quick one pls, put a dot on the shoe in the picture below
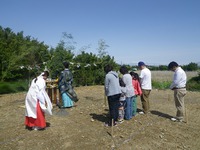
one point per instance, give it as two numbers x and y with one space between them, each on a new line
141 113
120 121
61 107
35 128
135 114
38 128
176 120
173 119
180 120
109 124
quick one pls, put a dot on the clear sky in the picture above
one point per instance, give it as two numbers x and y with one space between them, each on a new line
153 31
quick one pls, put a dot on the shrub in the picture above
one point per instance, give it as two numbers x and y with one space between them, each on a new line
13 87
6 88
161 84
194 83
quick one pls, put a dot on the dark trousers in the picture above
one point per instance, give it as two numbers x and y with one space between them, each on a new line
113 103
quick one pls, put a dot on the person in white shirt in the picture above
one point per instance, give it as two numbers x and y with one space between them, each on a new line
122 101
127 79
179 87
146 86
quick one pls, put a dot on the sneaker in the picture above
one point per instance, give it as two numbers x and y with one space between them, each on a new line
135 114
180 120
173 119
120 121
176 120
141 113
106 124
35 128
38 128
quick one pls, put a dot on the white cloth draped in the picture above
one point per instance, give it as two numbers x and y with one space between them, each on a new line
37 92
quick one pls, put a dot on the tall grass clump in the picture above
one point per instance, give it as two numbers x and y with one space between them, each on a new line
161 85
13 87
193 84
163 80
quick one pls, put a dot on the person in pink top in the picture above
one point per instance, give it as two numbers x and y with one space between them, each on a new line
137 89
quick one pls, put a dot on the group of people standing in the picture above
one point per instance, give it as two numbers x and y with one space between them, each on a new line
122 92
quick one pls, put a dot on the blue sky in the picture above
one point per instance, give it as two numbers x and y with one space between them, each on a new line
154 31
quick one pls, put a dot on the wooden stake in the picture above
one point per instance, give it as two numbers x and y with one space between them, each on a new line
112 128
113 142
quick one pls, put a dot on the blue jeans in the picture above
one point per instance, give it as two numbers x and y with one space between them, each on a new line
113 103
128 108
134 105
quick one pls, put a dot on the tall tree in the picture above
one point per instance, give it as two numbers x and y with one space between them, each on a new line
18 53
102 46
62 52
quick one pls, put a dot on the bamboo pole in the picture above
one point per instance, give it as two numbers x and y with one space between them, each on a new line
112 127
112 134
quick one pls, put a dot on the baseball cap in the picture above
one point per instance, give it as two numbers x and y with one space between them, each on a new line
141 63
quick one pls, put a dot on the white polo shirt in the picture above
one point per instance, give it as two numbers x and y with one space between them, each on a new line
180 78
145 79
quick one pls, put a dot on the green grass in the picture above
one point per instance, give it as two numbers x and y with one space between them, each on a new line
160 80
194 83
161 85
13 87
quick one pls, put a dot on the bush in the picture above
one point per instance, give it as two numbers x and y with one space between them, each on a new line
6 88
162 85
194 83
13 87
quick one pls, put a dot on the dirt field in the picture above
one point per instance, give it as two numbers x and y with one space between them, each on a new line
82 127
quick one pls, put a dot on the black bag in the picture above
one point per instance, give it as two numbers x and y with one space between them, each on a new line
121 82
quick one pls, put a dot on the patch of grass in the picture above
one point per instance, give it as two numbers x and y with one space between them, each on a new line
161 85
13 87
194 83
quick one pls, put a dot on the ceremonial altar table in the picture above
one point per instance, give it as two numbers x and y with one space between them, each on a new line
53 92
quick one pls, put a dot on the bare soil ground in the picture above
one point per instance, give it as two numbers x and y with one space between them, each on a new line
82 127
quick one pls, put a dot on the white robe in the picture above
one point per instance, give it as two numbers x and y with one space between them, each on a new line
37 92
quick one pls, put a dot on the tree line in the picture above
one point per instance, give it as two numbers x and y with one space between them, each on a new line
190 67
24 57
